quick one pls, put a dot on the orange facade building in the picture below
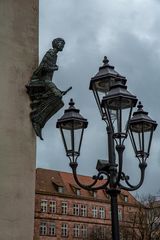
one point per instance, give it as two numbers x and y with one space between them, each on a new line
64 211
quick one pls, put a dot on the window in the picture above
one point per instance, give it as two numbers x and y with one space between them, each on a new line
110 214
95 232
94 194
94 212
120 214
52 206
84 210
84 231
126 198
78 192
102 212
64 207
99 232
64 230
44 205
103 231
60 189
52 229
43 228
76 209
76 230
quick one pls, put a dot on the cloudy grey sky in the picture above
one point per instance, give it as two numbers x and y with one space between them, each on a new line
128 33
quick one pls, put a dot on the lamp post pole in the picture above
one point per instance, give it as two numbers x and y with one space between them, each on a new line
115 107
113 191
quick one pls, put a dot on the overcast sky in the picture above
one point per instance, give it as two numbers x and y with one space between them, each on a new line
128 33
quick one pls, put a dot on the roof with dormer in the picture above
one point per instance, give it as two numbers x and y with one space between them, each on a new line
48 180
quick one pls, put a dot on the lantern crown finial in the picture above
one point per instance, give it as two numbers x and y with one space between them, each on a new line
140 106
105 60
71 103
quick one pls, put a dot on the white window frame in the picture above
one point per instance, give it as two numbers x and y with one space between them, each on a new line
83 210
76 230
43 229
64 230
52 229
94 194
64 208
102 212
44 205
94 211
84 231
76 209
126 198
60 189
52 206
78 192
120 214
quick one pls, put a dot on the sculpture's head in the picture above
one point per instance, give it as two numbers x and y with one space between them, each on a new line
58 43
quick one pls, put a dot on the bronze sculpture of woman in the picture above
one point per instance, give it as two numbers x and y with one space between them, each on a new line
46 98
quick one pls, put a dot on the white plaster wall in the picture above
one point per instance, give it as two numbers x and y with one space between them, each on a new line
18 58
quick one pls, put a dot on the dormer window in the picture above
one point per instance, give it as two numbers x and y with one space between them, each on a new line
78 192
60 189
126 198
93 194
76 189
58 185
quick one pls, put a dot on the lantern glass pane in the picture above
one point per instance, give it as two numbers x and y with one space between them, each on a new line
138 142
142 143
68 139
99 94
72 136
147 136
77 138
120 119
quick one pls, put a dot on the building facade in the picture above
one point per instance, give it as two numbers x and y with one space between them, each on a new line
18 59
64 211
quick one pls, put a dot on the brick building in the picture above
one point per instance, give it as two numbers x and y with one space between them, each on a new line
64 211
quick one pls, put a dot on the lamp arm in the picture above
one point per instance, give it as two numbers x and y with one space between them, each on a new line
131 187
90 187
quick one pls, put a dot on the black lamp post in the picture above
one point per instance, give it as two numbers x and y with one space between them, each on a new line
115 103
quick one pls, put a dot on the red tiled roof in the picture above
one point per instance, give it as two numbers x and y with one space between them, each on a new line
47 179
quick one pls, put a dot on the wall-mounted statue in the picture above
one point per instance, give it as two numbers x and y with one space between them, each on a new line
46 98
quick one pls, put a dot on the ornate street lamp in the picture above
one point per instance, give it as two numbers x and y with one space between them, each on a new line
102 81
141 128
116 101
72 126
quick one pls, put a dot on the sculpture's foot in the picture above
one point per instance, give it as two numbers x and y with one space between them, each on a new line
38 130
